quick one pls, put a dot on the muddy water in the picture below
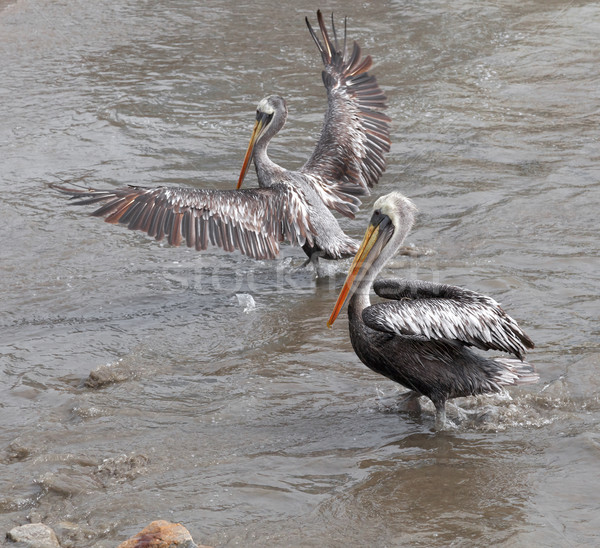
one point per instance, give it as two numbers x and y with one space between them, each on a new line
245 419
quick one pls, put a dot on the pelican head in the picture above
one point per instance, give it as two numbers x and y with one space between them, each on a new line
271 114
393 217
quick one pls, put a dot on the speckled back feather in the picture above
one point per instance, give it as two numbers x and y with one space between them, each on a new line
440 311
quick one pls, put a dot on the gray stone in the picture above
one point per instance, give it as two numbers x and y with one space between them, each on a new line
34 535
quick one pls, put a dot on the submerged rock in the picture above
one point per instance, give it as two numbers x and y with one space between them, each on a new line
34 535
105 375
247 301
70 534
162 534
17 452
68 482
122 468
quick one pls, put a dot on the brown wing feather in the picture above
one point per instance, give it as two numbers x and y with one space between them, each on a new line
252 221
350 155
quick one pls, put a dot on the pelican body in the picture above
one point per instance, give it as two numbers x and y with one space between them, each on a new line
293 206
421 336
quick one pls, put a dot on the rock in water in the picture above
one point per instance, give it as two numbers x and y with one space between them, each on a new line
162 534
34 535
247 301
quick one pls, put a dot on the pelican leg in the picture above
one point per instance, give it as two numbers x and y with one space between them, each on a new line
440 414
306 263
410 402
313 256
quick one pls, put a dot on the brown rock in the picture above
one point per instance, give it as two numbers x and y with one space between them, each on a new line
162 534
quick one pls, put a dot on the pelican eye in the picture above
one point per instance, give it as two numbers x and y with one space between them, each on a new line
380 218
377 216
263 116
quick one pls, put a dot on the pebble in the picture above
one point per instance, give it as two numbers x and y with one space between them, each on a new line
105 375
247 301
34 535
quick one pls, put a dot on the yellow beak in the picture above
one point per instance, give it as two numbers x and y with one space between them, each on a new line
258 127
361 255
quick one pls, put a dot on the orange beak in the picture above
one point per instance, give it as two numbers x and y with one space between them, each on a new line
360 259
259 125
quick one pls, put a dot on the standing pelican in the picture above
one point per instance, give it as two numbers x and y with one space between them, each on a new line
291 206
420 337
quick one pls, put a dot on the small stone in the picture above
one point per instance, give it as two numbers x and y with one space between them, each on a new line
67 483
105 375
17 452
247 301
34 535
122 468
162 534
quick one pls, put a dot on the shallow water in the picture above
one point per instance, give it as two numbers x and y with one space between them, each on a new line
253 424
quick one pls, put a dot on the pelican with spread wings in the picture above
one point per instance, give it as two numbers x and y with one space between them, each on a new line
292 206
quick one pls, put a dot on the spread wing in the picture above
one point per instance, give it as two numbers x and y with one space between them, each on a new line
253 221
350 155
439 311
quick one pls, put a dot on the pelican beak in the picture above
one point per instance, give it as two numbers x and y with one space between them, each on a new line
262 120
377 233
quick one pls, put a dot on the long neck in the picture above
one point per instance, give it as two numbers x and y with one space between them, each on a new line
267 171
360 298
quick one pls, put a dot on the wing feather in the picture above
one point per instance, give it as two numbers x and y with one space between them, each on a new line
252 221
349 158
438 311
